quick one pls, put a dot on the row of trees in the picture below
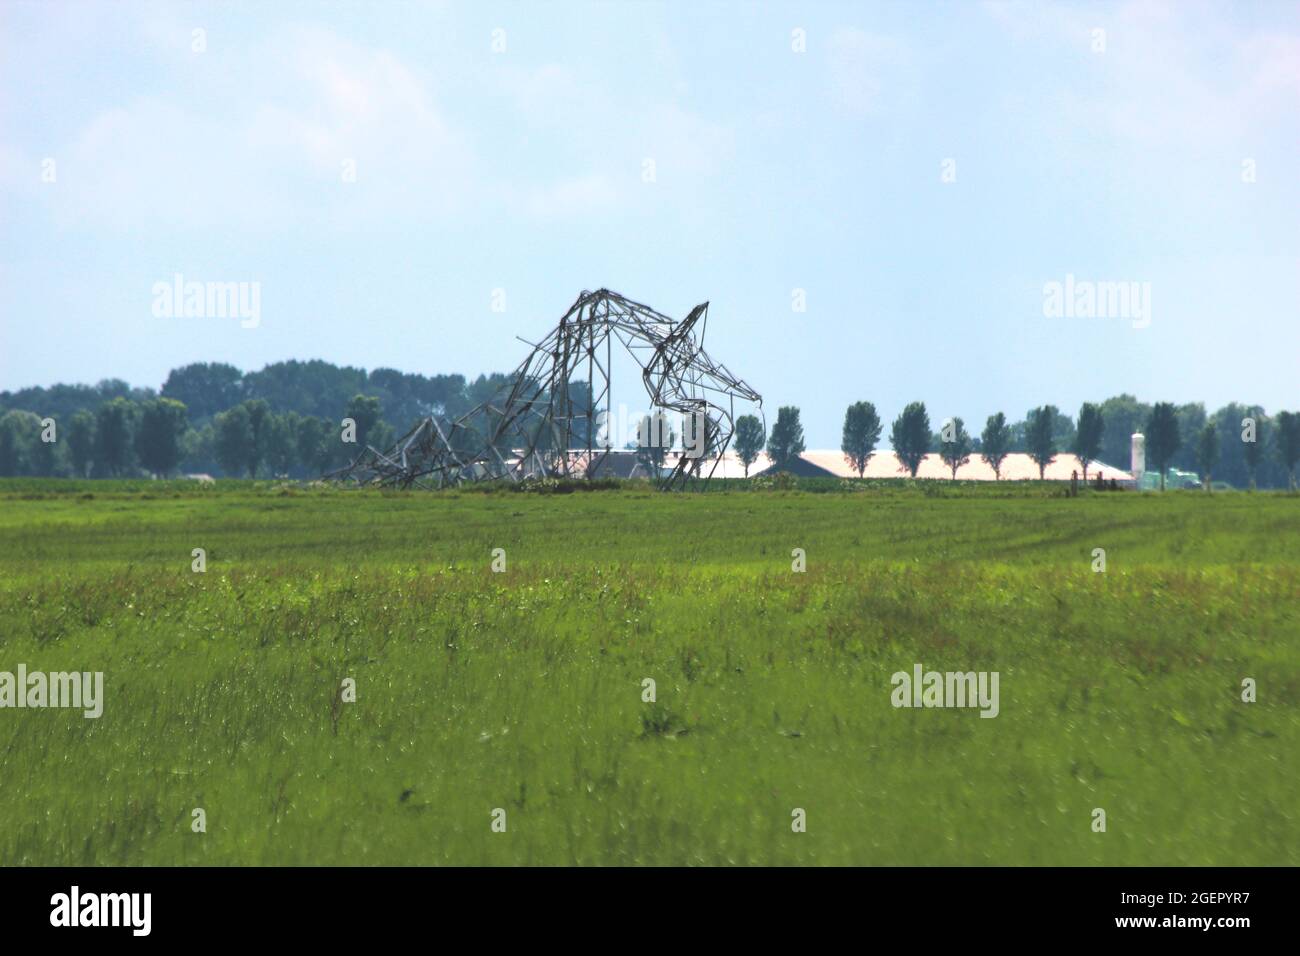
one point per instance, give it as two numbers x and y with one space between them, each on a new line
123 438
1042 437
118 437
113 429
314 388
283 400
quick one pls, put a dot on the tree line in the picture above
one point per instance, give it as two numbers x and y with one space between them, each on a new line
293 419
288 419
1239 445
212 418
125 438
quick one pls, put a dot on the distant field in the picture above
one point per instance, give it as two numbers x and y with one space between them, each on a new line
522 690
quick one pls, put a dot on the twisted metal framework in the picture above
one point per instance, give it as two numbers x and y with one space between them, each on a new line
543 422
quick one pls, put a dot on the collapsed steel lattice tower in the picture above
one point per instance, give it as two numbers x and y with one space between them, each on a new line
536 426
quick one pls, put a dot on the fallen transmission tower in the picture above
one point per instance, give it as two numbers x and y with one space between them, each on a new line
544 421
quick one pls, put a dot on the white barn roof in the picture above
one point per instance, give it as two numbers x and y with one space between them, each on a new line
1018 466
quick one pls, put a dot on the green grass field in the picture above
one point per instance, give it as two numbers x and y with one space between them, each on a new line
522 690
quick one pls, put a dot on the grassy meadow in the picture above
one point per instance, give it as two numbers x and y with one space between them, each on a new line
522 690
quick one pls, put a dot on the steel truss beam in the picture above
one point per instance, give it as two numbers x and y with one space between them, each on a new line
536 426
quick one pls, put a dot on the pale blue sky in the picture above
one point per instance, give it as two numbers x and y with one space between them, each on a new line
522 170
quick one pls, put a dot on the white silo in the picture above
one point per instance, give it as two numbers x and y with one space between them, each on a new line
1138 456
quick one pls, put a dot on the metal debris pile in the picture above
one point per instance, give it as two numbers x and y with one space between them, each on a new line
546 420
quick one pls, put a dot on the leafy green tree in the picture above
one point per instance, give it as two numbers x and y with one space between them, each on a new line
749 440
1227 421
1040 438
441 395
400 395
365 411
1207 451
309 388
954 445
233 437
114 424
995 443
317 447
13 443
282 443
1062 431
910 436
259 423
1253 451
785 444
1088 434
205 388
44 454
860 435
60 402
198 450
81 442
382 435
1191 419
1123 415
1162 438
158 438
654 438
1288 443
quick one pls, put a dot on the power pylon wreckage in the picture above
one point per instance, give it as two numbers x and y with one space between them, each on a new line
545 419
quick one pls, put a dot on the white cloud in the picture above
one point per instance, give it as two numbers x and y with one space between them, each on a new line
153 164
605 141
1277 66
254 136
169 161
1172 75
